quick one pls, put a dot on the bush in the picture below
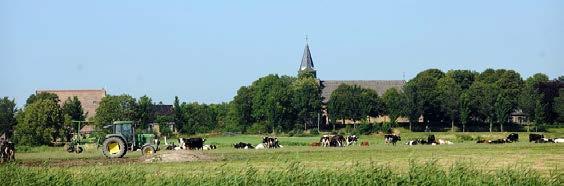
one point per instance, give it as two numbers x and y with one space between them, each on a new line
463 137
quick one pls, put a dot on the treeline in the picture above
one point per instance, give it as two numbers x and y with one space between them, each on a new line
459 99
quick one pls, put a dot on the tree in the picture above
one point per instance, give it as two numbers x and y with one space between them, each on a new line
7 115
338 105
395 104
484 97
178 113
73 108
424 92
115 108
449 94
354 103
306 99
41 96
465 108
272 102
145 111
242 109
40 123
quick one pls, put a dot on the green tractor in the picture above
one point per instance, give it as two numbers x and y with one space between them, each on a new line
124 138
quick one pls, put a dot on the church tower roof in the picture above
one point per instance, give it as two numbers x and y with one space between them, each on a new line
307 62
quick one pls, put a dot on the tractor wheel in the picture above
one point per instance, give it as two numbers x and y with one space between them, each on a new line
148 150
114 147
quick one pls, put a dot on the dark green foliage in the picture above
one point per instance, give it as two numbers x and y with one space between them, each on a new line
73 108
272 102
423 93
115 108
40 96
40 123
306 100
7 114
354 103
395 104
178 113
144 111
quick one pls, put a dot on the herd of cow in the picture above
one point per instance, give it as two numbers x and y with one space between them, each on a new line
342 141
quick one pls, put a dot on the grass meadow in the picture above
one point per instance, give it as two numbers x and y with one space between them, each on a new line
463 163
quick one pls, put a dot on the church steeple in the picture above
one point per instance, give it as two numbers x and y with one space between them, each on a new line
307 63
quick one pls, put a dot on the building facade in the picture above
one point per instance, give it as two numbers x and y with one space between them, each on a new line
89 99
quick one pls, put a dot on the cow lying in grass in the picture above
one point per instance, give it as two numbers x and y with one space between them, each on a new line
513 137
431 140
351 140
270 142
242 145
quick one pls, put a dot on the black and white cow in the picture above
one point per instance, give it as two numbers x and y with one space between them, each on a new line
191 143
325 140
242 145
513 137
270 142
392 138
352 139
337 141
535 137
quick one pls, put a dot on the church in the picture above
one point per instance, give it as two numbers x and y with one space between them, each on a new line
328 86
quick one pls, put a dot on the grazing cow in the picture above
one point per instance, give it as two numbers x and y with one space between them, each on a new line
497 141
535 137
7 151
513 137
315 144
545 140
558 140
325 140
337 141
391 138
242 145
364 144
351 140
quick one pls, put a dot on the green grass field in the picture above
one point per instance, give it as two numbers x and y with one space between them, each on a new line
298 163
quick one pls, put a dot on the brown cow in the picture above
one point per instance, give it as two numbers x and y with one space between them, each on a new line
315 144
364 143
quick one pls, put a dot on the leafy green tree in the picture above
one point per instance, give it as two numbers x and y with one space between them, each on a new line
7 114
73 108
145 111
272 102
42 95
395 103
484 97
199 118
306 100
424 93
354 103
338 106
178 113
465 108
40 123
449 94
115 108
242 109
370 103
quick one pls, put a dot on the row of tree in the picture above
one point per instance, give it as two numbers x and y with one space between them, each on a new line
284 103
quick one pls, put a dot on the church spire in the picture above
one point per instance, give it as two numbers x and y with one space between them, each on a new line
307 62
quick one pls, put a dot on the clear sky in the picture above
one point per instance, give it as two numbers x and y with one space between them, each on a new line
205 50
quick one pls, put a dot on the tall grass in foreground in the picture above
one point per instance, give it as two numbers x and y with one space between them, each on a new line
428 173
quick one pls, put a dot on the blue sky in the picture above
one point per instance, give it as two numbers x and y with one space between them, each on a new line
205 50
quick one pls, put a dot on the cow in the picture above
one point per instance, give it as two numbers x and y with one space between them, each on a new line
364 144
351 140
558 140
431 139
498 141
209 147
7 151
444 142
260 146
391 138
513 137
194 143
242 145
482 141
337 141
325 140
535 137
270 142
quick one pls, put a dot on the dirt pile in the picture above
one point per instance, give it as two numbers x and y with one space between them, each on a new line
178 156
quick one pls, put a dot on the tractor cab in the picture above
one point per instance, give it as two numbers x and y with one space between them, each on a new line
124 138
